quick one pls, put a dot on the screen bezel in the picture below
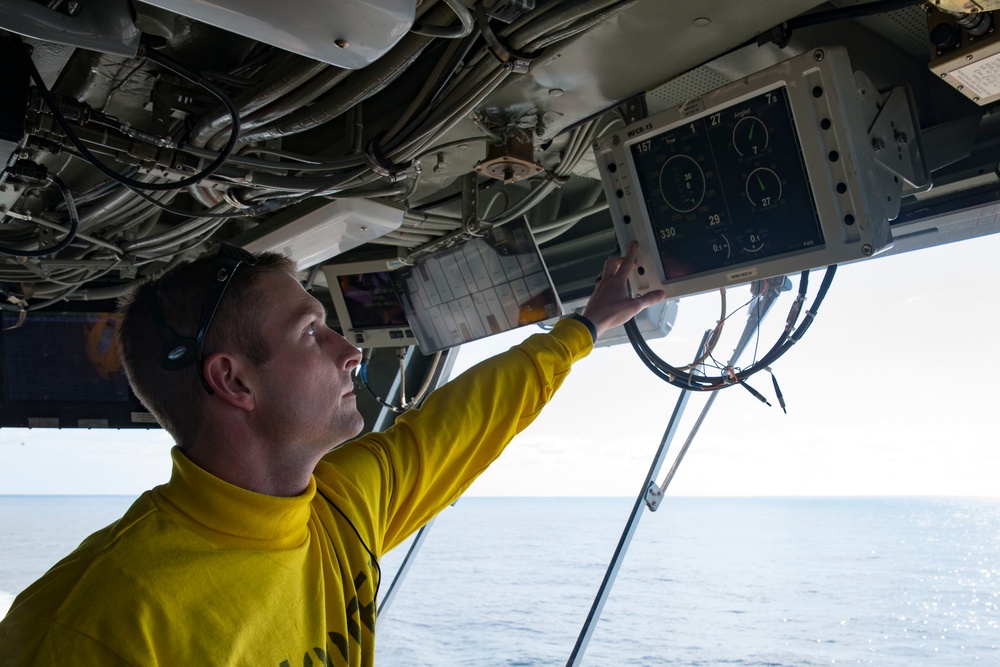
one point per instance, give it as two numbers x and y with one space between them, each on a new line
855 196
362 334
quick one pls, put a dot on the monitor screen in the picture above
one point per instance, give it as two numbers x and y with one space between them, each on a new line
61 369
727 188
769 175
368 309
371 300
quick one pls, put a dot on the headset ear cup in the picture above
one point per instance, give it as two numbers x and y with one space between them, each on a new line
177 351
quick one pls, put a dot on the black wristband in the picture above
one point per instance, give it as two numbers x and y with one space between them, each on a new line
587 323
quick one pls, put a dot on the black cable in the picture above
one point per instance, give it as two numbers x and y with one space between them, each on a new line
378 569
789 336
267 207
183 71
74 224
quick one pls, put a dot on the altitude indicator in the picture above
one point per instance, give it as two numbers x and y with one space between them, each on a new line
682 183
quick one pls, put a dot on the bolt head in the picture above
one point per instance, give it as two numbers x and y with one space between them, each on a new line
818 55
866 250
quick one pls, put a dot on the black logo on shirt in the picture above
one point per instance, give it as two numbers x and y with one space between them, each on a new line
337 643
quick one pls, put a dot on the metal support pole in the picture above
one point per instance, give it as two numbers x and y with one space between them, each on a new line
404 567
651 493
633 522
445 365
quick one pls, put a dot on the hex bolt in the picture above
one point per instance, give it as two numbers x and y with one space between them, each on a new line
878 143
901 138
866 250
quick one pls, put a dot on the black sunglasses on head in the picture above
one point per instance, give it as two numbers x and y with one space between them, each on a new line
179 351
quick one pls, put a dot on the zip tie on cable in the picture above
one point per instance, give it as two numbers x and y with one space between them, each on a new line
517 61
380 164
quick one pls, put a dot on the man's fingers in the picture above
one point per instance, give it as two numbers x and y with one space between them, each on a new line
649 298
614 265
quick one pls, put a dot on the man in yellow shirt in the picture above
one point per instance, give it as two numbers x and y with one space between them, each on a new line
263 547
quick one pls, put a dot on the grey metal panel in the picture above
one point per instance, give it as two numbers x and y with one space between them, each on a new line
104 25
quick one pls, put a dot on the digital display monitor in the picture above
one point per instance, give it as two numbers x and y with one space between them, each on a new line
61 369
477 288
724 189
366 303
371 300
770 175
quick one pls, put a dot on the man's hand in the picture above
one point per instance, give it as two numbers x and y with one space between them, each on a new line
610 305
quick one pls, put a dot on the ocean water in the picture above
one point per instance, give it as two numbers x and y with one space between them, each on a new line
794 582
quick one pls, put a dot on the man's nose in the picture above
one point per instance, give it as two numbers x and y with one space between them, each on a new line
348 356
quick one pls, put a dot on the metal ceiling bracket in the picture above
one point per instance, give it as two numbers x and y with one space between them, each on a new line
896 140
518 61
470 204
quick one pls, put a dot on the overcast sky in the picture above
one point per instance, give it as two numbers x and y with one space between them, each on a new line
893 391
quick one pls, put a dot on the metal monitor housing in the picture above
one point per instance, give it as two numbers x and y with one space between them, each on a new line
368 334
796 167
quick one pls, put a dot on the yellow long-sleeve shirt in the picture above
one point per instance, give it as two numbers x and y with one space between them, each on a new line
201 572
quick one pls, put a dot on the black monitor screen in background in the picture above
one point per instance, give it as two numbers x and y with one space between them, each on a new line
61 369
371 300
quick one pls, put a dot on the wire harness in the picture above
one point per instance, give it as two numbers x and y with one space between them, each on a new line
686 378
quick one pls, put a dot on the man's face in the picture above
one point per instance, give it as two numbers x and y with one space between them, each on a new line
304 392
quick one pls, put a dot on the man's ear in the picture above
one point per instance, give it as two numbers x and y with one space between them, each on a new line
228 377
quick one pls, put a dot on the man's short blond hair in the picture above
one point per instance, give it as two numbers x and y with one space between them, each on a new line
175 397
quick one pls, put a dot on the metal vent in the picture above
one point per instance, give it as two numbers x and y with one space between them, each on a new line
906 29
683 88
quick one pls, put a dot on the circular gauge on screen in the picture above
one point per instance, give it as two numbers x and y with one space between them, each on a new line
682 183
763 187
750 136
